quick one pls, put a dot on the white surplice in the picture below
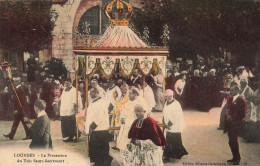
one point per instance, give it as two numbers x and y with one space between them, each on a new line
173 113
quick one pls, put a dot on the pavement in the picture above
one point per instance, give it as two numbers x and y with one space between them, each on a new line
205 144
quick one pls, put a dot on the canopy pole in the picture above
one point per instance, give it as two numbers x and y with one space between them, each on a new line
143 83
86 113
77 100
86 81
86 105
163 88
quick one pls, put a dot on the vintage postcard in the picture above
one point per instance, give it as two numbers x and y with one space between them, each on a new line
129 82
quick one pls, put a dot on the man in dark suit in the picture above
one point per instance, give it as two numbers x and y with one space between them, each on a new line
20 111
32 64
41 137
235 114
47 95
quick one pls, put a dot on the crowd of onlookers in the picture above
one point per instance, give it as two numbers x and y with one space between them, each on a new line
195 83
200 87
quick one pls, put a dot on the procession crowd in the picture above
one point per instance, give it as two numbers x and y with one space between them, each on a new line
127 104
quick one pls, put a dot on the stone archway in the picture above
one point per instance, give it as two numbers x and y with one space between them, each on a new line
85 7
69 16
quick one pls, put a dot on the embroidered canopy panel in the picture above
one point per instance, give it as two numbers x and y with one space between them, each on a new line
120 46
127 63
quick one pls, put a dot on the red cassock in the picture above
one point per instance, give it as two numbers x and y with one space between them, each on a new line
147 129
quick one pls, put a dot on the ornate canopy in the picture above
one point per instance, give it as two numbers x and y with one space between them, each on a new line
120 46
120 36
127 61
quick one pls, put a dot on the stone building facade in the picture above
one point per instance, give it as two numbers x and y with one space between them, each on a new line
69 16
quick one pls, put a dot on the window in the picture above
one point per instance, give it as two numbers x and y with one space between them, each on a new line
92 18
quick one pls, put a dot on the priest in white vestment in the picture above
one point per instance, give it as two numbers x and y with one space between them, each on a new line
94 84
127 118
173 121
96 126
112 95
68 110
148 95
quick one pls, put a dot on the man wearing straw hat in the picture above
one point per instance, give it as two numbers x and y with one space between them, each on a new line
20 111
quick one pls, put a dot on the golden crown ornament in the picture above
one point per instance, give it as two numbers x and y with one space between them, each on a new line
118 12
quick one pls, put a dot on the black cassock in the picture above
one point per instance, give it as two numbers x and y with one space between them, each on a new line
193 99
214 94
204 95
